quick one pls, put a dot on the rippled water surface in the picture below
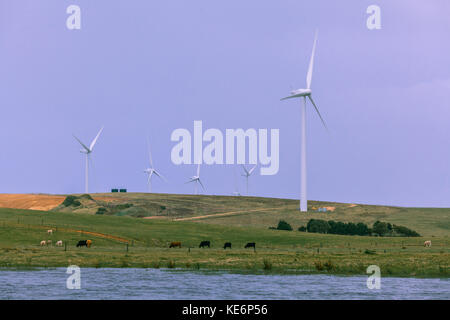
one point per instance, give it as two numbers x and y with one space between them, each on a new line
173 284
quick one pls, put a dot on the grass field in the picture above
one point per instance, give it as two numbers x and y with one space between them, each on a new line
124 241
260 212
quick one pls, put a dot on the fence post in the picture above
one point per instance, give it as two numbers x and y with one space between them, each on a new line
127 247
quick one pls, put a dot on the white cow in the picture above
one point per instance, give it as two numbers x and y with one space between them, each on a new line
43 243
50 231
427 243
59 243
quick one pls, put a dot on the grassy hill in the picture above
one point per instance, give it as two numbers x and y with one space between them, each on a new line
221 219
258 212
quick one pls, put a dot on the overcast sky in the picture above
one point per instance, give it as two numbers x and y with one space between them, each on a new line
145 68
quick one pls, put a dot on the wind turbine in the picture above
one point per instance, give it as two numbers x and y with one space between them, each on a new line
305 93
196 180
88 152
248 173
151 170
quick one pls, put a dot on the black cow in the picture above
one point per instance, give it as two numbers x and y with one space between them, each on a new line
205 244
82 243
227 245
250 245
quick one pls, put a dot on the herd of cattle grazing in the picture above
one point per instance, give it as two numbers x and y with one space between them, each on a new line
174 244
207 243
59 243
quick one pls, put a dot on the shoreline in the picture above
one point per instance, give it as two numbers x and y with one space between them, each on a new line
250 272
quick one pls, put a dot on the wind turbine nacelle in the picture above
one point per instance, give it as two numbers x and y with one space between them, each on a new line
301 92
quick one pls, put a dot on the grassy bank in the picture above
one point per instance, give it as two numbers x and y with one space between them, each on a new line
130 242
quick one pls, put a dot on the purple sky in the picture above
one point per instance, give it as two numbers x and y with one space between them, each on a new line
144 68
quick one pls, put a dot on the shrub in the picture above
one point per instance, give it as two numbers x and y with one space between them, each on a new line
283 225
71 201
302 229
329 265
318 226
123 206
85 196
319 266
267 264
404 231
101 210
350 228
362 229
380 228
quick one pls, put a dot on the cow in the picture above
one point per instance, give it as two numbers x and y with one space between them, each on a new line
250 245
59 243
89 243
49 242
227 245
175 244
205 244
427 243
82 243
43 243
50 231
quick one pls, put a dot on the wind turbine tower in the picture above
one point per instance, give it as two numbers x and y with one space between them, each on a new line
305 93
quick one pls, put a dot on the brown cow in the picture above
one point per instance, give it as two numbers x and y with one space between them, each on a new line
88 243
175 244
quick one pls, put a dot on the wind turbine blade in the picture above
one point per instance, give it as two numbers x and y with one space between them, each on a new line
289 97
245 169
160 176
95 140
317 110
82 144
149 178
201 184
251 170
311 64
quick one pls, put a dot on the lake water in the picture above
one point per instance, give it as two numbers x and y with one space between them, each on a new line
176 284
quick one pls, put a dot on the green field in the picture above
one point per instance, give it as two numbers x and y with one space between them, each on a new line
120 239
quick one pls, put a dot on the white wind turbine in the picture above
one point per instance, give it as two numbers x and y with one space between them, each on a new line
151 170
196 180
88 152
248 173
305 93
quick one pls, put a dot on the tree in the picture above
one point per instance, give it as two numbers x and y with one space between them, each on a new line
380 228
283 225
317 226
